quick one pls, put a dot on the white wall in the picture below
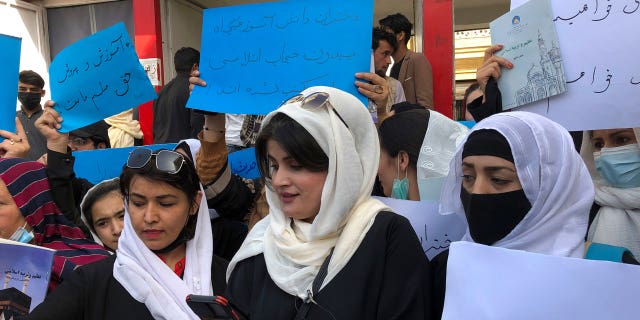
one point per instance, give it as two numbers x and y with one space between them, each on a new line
181 27
28 21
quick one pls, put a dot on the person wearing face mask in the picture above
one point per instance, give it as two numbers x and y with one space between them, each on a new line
613 159
520 185
30 92
415 149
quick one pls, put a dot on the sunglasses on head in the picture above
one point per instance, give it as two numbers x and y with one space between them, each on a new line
314 101
166 160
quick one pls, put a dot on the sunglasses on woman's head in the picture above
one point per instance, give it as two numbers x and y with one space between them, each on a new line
166 160
314 101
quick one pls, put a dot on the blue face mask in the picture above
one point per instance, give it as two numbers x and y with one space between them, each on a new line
619 166
400 188
22 235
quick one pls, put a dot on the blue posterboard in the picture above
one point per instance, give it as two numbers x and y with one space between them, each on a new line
97 77
10 57
103 164
255 56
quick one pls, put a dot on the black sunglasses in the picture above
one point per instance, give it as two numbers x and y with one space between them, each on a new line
166 160
314 101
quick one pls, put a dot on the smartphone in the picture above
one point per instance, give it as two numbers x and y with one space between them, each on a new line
211 307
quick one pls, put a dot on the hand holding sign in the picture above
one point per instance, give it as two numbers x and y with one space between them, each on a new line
98 77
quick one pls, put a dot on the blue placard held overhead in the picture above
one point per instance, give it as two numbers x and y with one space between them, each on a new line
97 77
255 56
10 57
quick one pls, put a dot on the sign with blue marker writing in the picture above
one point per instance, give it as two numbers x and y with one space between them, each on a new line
10 57
103 164
97 77
435 231
255 56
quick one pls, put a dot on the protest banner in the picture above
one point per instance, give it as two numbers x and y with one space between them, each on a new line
10 57
598 48
97 77
486 282
254 57
435 232
102 164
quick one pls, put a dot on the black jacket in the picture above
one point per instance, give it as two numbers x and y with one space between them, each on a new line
93 293
388 277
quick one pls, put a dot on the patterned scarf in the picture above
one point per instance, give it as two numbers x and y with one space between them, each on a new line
29 187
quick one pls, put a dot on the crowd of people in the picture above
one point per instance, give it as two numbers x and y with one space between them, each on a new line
307 240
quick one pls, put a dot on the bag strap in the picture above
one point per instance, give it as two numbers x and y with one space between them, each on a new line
315 287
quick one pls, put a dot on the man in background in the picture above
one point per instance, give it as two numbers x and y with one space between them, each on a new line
172 121
30 92
412 69
384 44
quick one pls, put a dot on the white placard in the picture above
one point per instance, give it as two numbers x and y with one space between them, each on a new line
599 45
152 67
495 283
436 232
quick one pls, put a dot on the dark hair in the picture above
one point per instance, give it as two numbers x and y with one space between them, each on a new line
185 180
381 34
398 23
32 78
185 58
96 193
473 87
404 131
405 106
295 140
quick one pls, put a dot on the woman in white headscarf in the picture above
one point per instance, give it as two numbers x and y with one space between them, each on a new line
164 251
327 250
613 159
520 184
416 147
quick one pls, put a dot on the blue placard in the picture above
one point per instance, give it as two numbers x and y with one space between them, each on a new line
10 57
244 164
255 56
97 77
102 164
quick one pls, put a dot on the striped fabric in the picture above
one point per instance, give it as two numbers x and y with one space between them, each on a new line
28 184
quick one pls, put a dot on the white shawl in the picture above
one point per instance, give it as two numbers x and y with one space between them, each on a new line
294 250
554 179
618 220
150 281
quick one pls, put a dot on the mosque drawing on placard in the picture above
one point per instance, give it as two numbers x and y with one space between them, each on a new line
545 78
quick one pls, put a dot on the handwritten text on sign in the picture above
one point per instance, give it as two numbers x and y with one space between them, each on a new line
97 77
256 56
599 53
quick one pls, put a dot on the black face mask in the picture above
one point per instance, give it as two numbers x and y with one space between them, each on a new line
29 100
492 217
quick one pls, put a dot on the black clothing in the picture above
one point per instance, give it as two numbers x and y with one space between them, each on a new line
67 190
93 293
395 69
37 142
439 268
492 105
172 121
388 277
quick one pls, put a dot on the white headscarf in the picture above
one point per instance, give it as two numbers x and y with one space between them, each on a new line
553 176
150 281
440 142
293 249
618 220
83 214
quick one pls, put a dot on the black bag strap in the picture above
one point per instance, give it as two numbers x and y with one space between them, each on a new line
315 287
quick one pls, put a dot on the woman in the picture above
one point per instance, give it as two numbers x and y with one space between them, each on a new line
472 93
416 147
613 159
521 186
28 214
327 250
102 211
164 251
